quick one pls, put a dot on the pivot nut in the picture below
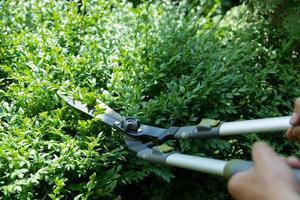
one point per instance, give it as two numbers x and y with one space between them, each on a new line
130 124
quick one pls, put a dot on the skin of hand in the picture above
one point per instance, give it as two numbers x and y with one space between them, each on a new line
270 178
294 131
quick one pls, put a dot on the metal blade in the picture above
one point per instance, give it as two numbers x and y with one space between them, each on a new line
109 116
114 119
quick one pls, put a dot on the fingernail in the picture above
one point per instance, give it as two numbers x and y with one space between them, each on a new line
294 119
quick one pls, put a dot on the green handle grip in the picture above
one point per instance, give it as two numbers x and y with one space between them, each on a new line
234 166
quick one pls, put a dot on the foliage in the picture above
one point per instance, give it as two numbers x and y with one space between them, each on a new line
283 15
168 63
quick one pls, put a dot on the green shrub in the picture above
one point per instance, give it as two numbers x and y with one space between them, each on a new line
168 63
283 15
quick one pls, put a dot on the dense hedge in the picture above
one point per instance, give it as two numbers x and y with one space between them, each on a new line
167 63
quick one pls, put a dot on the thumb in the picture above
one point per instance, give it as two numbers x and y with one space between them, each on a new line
268 164
264 157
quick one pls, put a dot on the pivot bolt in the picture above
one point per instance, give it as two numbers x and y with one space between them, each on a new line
130 124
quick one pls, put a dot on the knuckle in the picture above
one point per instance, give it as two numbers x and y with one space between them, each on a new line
296 133
297 101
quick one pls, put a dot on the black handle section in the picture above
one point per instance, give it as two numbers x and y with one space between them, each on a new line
234 166
197 132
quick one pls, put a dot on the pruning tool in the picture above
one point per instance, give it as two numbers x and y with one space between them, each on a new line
141 138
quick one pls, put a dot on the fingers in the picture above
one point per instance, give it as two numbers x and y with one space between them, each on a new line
269 177
289 134
294 131
265 158
239 183
293 162
263 155
295 119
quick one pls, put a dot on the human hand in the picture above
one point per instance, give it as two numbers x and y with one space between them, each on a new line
270 178
294 131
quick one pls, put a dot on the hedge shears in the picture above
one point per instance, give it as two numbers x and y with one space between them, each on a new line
142 139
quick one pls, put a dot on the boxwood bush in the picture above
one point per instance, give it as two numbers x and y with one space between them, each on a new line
165 62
